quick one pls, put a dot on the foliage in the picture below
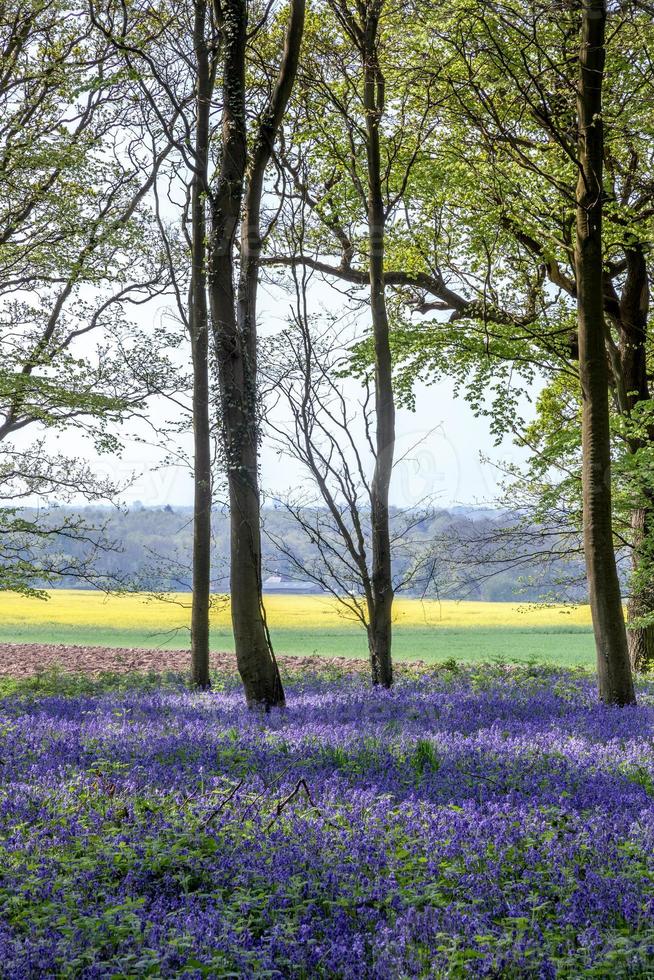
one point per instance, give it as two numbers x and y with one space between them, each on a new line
497 220
77 254
39 551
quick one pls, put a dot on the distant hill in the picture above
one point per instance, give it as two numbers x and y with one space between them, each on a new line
477 553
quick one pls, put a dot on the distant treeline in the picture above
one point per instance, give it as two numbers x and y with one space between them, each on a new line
463 553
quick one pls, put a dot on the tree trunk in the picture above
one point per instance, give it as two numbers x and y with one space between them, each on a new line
199 330
235 331
630 313
379 645
254 657
641 603
613 667
641 641
380 635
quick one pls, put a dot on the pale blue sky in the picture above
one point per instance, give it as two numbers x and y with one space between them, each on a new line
439 446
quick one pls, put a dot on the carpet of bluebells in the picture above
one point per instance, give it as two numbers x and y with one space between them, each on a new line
470 823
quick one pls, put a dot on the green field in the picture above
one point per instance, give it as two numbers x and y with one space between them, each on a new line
301 625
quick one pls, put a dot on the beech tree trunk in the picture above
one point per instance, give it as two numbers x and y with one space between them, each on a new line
641 638
236 205
199 330
613 667
236 369
629 312
380 629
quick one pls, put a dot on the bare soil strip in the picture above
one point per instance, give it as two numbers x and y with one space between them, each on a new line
29 659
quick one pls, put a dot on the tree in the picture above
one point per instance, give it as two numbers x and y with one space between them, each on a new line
349 161
221 168
364 32
332 437
76 252
199 333
235 207
627 201
613 668
172 58
502 189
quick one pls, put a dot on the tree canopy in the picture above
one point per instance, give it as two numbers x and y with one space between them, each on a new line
471 183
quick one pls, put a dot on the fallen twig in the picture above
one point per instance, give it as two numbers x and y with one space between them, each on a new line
261 795
301 784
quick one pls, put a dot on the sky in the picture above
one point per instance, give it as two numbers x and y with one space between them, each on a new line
440 448
444 453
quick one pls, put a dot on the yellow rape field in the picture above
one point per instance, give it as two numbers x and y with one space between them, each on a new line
78 608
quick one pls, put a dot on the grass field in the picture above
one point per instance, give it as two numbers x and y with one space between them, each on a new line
429 630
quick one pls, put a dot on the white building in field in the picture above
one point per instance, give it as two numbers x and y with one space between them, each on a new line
288 586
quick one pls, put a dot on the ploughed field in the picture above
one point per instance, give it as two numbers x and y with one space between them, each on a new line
307 625
484 821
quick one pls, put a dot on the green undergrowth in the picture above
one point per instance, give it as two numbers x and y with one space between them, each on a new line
55 682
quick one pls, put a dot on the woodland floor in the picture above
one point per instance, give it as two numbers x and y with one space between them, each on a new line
474 822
